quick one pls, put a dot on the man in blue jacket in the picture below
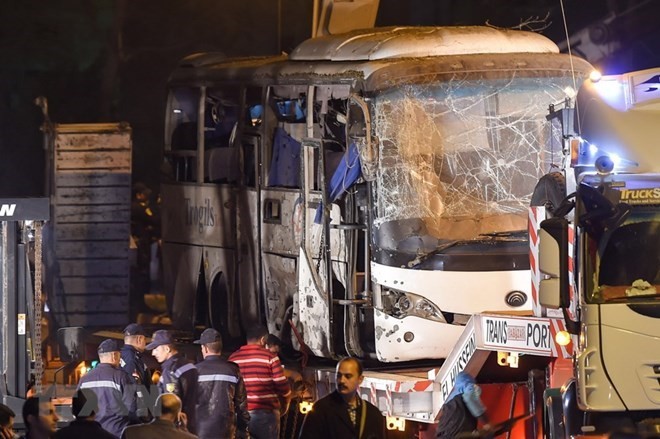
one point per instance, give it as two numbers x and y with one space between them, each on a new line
113 387
178 375
135 342
221 396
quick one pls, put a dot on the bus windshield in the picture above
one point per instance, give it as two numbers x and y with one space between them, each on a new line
625 264
461 158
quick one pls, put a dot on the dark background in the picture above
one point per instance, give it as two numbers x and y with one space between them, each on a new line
108 60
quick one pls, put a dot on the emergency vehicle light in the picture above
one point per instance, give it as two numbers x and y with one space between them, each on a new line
563 338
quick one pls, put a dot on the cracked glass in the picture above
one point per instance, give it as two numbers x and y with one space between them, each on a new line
462 157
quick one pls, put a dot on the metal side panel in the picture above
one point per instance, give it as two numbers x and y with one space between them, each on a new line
248 284
419 395
280 286
485 333
314 311
181 265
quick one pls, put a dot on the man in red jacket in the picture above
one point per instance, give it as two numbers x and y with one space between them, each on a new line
265 384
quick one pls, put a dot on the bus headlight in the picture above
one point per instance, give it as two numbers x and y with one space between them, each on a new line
401 304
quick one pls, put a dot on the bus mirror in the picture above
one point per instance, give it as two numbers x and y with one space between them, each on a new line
358 129
553 263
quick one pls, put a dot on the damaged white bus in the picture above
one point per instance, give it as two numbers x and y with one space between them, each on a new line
364 195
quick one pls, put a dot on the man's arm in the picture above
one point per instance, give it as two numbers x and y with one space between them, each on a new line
281 383
128 365
188 389
129 396
242 414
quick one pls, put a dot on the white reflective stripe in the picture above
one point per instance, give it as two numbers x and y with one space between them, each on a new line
183 369
218 377
258 380
269 395
98 384
251 360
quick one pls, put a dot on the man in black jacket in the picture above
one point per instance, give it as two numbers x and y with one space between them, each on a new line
135 342
168 423
84 406
221 397
114 389
343 414
178 375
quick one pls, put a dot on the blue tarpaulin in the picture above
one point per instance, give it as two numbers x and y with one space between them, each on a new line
285 166
346 174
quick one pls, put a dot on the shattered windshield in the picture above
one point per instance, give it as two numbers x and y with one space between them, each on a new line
461 158
625 264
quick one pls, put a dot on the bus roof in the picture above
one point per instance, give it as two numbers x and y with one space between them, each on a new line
415 42
383 57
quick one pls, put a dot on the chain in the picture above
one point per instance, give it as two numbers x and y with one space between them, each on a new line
294 424
36 340
321 245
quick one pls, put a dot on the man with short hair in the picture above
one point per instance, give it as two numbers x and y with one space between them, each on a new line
7 416
178 375
113 387
167 424
221 396
343 414
273 344
39 417
265 383
84 406
135 343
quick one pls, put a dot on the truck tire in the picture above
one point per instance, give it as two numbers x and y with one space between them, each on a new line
549 192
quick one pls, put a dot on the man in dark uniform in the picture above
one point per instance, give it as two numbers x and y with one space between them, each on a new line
167 425
135 343
84 406
343 414
113 387
178 374
221 396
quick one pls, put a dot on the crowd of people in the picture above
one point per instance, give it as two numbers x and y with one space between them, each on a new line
241 397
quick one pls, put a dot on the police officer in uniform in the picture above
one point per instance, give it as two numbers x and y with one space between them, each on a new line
178 374
135 343
221 396
113 387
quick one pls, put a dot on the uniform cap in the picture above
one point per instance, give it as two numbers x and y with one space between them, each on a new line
160 338
134 329
209 335
108 346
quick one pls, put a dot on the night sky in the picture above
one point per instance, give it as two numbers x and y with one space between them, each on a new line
108 60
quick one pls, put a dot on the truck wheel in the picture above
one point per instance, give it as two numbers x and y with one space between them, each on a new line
549 192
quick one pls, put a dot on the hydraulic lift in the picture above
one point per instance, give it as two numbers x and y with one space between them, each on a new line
21 221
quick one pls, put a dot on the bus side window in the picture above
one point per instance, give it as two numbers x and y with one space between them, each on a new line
221 154
181 138
289 107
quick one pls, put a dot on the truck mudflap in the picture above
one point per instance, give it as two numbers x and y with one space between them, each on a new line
418 395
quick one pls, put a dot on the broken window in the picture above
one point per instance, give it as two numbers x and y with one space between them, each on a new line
462 157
